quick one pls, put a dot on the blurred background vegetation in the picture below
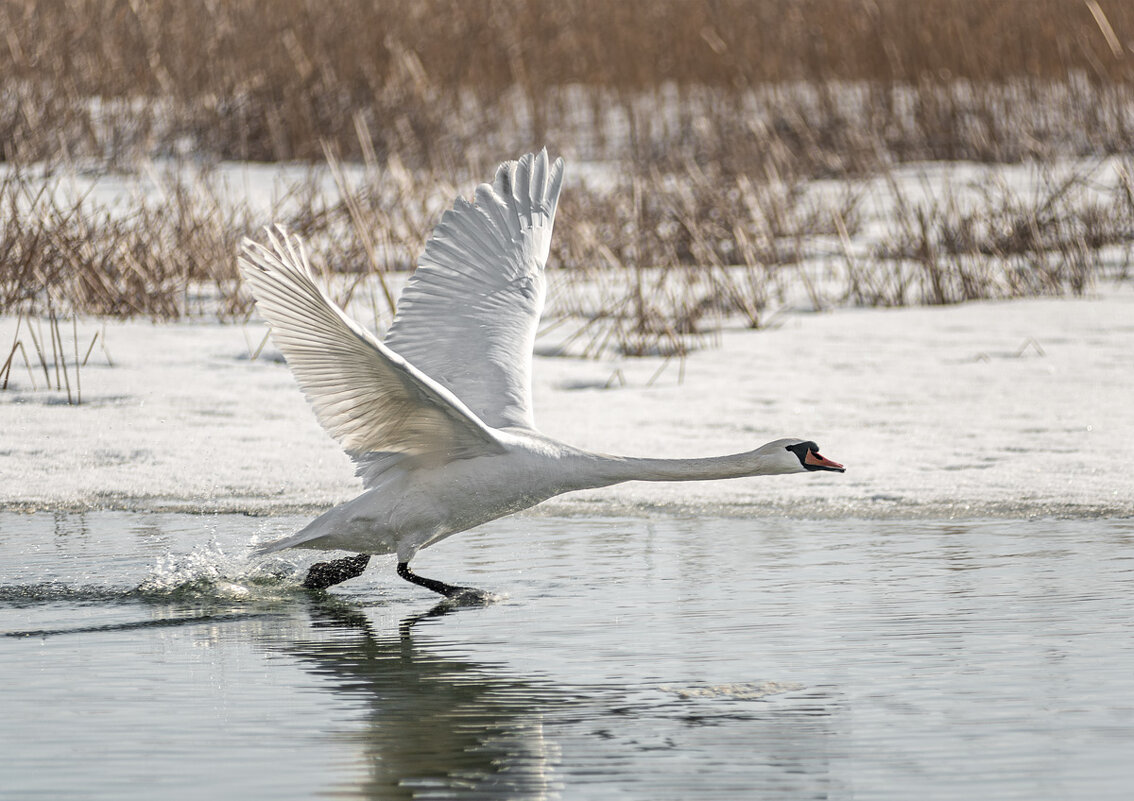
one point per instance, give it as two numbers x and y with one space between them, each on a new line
731 145
438 81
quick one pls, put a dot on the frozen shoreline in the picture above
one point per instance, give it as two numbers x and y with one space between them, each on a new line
995 409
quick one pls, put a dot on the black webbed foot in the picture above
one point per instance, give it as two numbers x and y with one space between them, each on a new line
461 595
322 575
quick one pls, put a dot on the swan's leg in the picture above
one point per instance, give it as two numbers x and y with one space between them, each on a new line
322 575
448 590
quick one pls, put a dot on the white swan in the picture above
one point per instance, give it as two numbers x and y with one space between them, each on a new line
438 418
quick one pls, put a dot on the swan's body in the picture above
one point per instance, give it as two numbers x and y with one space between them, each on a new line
438 418
411 509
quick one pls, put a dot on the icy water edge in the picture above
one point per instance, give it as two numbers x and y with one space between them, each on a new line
144 657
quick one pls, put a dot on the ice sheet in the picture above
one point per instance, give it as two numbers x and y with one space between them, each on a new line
986 409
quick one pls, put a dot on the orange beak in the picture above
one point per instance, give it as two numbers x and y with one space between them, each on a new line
817 462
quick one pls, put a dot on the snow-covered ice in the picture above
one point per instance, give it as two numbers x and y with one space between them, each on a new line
1014 408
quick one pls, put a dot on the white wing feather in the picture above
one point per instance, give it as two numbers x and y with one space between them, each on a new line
468 316
381 408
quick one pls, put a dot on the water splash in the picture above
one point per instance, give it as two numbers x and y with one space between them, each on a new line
210 573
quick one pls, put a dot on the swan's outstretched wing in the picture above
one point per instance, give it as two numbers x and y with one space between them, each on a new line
378 406
468 316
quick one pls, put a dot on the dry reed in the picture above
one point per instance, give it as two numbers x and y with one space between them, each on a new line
1006 243
54 363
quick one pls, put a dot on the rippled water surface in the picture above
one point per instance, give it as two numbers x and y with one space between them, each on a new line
144 656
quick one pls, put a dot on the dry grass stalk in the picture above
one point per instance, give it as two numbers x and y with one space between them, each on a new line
361 229
57 363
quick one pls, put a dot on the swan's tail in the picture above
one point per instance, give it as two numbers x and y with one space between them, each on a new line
290 541
304 538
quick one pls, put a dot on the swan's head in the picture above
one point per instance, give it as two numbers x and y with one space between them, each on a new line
796 456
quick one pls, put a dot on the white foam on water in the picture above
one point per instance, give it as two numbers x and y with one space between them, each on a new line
741 691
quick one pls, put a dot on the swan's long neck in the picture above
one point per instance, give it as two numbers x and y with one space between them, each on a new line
603 471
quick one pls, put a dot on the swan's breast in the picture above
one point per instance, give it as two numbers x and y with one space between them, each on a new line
416 507
469 492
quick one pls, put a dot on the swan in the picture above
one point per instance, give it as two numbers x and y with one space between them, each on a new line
437 417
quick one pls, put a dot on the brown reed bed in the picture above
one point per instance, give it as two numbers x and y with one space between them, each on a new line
827 85
723 118
641 265
657 267
151 259
1057 237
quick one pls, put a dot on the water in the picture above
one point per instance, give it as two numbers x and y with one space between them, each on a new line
144 657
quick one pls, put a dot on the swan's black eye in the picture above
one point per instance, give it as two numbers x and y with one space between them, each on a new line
800 449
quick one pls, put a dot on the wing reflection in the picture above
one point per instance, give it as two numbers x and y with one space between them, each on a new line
436 725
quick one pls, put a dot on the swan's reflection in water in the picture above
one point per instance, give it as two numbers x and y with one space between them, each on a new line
435 726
